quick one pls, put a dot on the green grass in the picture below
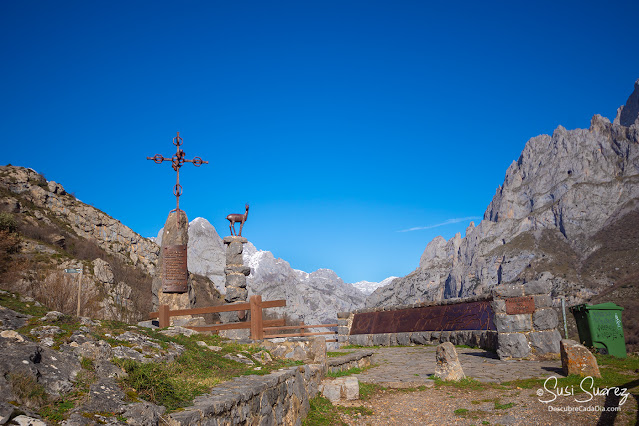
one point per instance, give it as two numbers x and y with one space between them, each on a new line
614 372
56 412
337 354
194 372
367 390
322 413
28 308
27 390
354 370
506 406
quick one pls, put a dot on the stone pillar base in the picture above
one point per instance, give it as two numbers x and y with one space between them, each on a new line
235 284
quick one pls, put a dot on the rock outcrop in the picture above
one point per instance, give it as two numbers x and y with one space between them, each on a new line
314 298
52 203
560 215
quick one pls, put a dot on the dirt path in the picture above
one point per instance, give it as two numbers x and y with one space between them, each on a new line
399 368
446 406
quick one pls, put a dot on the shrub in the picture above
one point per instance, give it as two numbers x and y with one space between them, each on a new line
27 390
8 222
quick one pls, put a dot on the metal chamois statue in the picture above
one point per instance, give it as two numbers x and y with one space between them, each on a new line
237 217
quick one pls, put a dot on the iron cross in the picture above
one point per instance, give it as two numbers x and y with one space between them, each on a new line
176 161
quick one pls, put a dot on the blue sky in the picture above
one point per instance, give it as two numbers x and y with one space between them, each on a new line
342 123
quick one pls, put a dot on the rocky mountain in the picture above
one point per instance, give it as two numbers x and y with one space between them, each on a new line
46 232
368 287
314 298
567 212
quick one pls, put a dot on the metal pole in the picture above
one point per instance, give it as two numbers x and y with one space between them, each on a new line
79 290
563 311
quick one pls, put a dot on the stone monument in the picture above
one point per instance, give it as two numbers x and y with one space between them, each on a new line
172 284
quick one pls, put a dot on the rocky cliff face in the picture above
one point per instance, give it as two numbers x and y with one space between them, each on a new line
314 298
554 217
57 232
50 202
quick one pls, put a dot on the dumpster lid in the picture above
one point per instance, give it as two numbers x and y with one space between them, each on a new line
604 306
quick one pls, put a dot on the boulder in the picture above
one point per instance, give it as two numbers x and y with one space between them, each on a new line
448 366
343 388
29 361
10 319
52 316
143 414
55 188
577 359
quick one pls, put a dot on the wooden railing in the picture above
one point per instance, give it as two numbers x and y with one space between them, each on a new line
257 325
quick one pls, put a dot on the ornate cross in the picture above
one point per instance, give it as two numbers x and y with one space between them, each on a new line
176 161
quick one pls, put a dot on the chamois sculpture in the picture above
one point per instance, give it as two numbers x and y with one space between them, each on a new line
237 217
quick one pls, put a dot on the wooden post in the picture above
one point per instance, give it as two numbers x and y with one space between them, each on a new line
79 291
257 330
164 316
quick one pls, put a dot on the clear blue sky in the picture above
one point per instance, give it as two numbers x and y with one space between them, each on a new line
340 122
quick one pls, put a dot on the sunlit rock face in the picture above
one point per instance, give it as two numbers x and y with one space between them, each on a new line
565 211
314 298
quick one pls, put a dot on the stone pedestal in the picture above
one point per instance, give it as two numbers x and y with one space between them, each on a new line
236 292
175 233
525 320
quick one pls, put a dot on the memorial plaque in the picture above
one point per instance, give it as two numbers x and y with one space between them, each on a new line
520 305
462 316
174 270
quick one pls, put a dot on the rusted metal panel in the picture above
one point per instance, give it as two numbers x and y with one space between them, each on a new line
174 269
520 305
462 316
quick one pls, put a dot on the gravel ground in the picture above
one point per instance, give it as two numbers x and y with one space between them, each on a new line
437 406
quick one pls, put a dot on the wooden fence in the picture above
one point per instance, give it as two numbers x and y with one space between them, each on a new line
257 325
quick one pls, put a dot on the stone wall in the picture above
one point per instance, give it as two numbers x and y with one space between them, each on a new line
525 320
358 359
279 398
522 323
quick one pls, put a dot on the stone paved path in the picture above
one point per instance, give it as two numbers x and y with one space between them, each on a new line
401 367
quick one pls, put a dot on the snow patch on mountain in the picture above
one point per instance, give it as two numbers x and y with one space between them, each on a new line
367 287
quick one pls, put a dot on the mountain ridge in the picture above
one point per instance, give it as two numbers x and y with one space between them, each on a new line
543 221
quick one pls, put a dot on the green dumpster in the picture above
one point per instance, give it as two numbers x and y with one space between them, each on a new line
599 326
